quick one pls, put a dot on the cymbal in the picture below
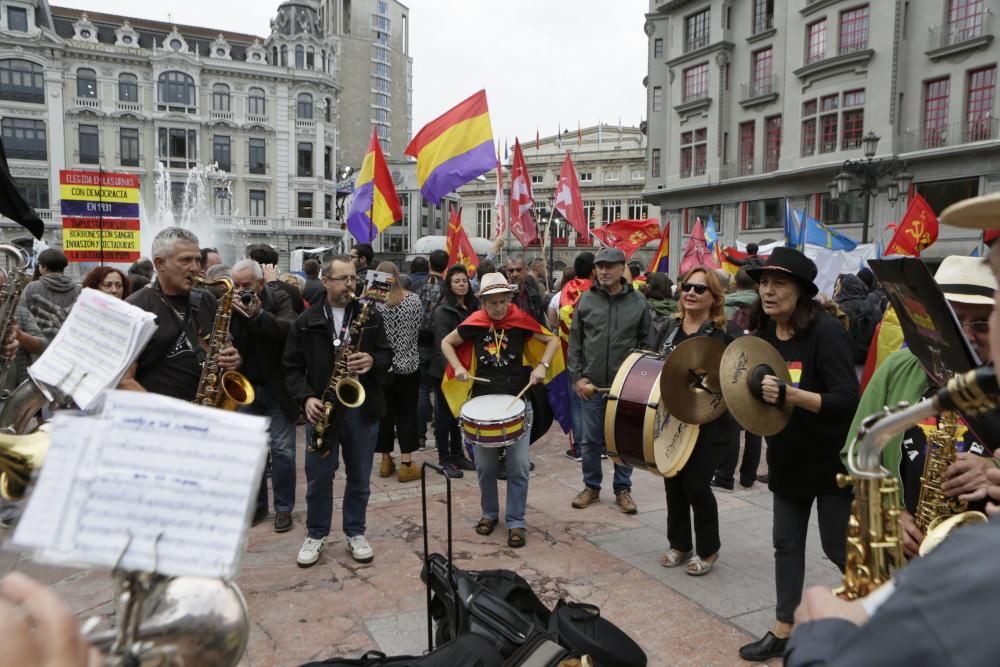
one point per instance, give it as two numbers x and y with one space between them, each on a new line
747 359
689 381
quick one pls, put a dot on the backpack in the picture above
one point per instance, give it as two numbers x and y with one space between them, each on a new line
430 294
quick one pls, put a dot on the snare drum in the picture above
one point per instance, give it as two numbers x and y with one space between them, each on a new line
494 420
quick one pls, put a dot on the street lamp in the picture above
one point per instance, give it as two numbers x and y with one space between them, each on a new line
868 174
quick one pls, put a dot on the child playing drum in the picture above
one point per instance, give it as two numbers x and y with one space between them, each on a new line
493 341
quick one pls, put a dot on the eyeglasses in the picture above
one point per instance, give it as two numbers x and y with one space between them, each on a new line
342 279
979 327
698 289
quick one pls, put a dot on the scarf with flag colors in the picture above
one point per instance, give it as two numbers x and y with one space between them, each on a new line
374 205
661 260
457 245
454 148
569 296
628 235
556 381
522 225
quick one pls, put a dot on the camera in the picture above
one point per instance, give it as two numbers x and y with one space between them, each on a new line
246 297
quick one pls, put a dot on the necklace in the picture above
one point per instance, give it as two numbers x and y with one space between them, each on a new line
498 340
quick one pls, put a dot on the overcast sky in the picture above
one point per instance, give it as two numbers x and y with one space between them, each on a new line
542 62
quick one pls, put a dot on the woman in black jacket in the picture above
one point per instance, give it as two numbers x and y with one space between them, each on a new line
457 302
701 313
804 458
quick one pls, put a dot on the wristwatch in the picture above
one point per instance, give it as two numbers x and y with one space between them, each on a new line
545 364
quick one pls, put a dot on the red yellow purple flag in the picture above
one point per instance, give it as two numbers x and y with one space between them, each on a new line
374 205
661 260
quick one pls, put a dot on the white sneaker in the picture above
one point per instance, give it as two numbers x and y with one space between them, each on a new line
309 553
359 549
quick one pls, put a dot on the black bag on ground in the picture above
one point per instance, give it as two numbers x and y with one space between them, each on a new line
581 629
467 650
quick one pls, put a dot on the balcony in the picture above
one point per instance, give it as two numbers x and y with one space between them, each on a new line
131 107
761 91
258 119
742 168
697 99
221 115
972 32
953 134
88 103
763 27
305 125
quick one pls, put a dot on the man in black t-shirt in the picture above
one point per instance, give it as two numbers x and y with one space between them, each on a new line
171 362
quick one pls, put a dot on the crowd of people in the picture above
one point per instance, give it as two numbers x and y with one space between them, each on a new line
500 330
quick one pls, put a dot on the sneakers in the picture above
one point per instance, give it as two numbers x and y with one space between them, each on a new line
574 455
720 485
309 553
625 502
387 467
453 471
359 549
586 498
409 472
465 464
604 455
282 522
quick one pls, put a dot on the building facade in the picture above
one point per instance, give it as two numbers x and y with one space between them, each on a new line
754 101
610 167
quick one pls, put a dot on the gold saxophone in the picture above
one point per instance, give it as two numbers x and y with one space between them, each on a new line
874 532
10 295
343 385
217 387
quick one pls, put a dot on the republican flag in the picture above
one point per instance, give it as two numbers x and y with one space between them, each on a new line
458 246
454 148
661 260
499 203
696 251
628 235
521 200
374 205
568 298
569 202
917 230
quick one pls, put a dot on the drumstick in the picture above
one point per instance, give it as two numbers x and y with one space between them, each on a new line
602 390
518 397
473 378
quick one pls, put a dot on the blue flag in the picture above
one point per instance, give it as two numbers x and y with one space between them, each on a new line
814 232
791 227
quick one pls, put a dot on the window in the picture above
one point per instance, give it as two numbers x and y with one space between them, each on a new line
328 207
221 152
849 209
310 58
764 214
965 20
936 95
536 179
220 97
979 105
762 72
654 163
763 15
304 106
128 146
816 41
128 88
328 163
484 220
657 98
854 119
808 137
222 201
175 90
696 82
305 205
853 30
35 191
586 177
746 148
24 139
178 148
257 153
696 31
694 151
258 203
772 136
300 57
256 102
612 174
637 210
703 213
828 133
687 154
942 194
86 83
638 174
328 110
658 47
90 145
305 159
612 210
17 19
284 56
22 81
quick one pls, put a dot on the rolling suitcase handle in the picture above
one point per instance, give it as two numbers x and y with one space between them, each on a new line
427 566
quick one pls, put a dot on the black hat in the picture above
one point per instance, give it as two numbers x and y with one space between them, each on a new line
792 262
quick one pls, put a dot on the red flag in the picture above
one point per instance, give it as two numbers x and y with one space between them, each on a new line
568 200
661 260
628 235
696 252
458 246
521 200
917 230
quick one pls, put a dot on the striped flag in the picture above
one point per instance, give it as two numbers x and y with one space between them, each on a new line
374 205
661 260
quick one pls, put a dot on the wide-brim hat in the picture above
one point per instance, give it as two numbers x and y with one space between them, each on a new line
791 262
494 283
974 213
966 280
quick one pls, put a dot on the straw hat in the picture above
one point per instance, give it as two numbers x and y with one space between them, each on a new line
494 283
966 280
975 213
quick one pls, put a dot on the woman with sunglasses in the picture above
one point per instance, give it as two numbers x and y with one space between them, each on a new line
701 313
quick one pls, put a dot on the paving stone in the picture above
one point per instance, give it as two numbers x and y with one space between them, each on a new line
400 634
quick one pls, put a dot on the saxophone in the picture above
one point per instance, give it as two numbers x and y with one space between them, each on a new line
343 386
217 387
874 532
10 295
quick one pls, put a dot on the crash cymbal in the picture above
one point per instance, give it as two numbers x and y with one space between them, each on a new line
689 381
744 364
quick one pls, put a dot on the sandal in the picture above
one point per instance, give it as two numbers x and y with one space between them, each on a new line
674 557
699 567
516 538
486 526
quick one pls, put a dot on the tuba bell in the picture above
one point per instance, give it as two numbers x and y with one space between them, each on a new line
20 456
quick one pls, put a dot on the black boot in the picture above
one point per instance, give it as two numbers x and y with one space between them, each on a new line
767 647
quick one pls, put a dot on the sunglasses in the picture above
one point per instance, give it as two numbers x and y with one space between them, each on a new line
698 289
979 327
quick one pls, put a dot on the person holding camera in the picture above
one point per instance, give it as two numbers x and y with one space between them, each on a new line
268 315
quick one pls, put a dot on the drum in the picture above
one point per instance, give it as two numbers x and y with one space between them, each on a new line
637 430
494 420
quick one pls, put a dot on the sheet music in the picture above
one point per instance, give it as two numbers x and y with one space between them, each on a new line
151 466
96 344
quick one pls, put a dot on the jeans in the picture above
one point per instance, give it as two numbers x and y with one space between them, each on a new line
791 523
588 433
517 464
400 418
748 467
357 442
446 434
690 493
282 441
